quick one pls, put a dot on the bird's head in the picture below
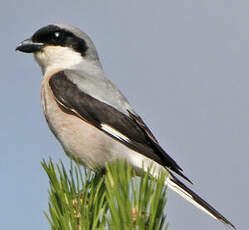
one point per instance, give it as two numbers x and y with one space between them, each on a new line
61 46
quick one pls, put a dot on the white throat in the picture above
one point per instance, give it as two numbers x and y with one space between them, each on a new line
53 58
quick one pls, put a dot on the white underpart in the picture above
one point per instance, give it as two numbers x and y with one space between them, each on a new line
114 132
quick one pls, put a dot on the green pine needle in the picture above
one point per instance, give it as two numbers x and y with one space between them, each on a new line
116 199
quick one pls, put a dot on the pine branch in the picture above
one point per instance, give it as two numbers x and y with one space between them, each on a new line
83 200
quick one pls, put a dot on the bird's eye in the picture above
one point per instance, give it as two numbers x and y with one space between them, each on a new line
57 36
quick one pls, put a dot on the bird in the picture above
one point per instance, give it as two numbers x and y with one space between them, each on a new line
91 118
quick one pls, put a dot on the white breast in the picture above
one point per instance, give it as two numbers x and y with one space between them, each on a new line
78 138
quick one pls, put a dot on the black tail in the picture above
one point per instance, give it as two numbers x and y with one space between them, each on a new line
176 185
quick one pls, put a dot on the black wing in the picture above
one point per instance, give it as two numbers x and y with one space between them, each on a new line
137 135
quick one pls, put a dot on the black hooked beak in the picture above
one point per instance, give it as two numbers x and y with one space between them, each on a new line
28 46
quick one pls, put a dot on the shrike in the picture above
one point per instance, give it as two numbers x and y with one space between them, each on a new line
90 117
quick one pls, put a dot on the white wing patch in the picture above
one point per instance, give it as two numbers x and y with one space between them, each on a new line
114 132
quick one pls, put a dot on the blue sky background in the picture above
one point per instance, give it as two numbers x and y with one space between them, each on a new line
184 66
